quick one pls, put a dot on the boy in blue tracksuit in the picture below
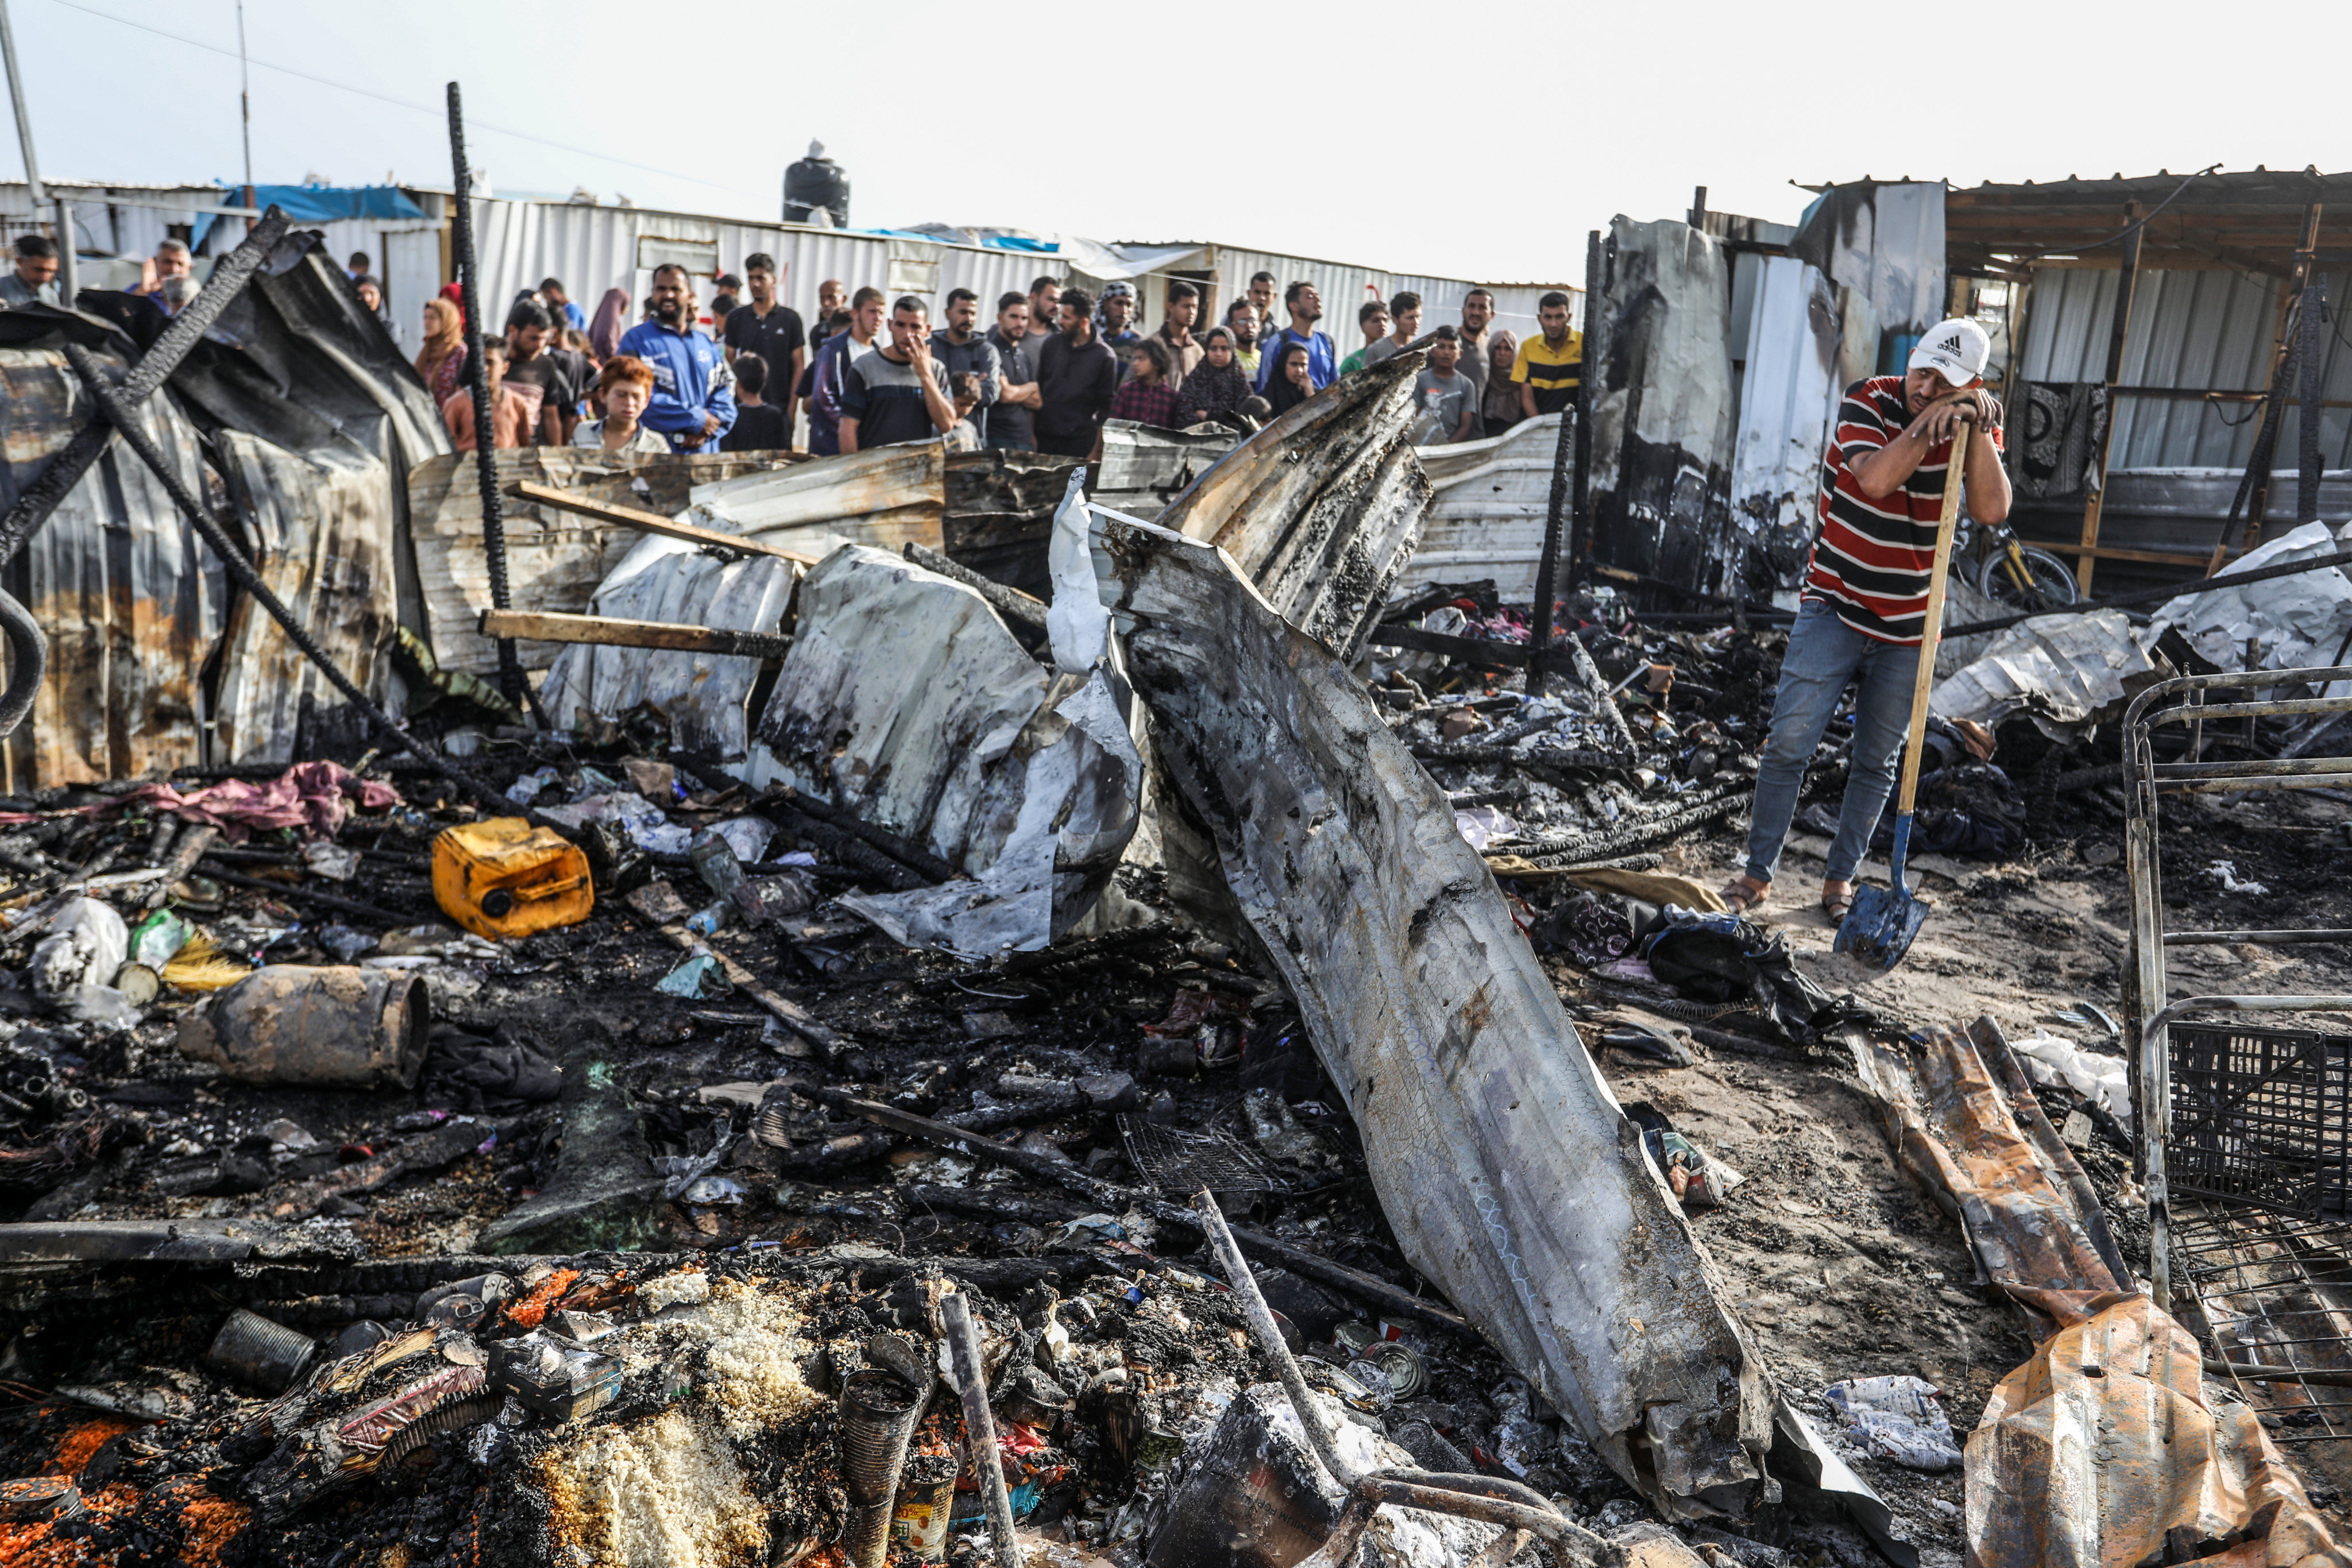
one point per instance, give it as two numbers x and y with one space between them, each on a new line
694 393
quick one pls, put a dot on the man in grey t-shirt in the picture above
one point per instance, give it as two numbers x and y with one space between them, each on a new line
1447 403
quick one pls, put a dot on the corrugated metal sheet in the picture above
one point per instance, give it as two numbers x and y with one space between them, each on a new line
320 419
554 559
1322 508
1790 388
702 695
1661 411
2205 330
1488 517
116 578
881 498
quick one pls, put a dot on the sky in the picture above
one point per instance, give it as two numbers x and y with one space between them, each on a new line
1480 143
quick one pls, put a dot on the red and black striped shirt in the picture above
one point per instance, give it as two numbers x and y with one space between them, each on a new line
1873 558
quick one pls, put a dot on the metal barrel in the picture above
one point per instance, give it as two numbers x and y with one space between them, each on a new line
323 1027
252 1349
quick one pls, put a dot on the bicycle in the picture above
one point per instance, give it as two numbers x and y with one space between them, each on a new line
2015 574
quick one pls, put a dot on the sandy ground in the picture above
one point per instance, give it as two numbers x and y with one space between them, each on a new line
1840 1267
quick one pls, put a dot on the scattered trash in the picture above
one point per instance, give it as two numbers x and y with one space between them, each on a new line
1897 1418
319 1028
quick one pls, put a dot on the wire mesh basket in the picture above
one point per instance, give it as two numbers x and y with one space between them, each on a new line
1180 1160
2259 1116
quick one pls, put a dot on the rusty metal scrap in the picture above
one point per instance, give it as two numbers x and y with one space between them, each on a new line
1511 1177
2106 1448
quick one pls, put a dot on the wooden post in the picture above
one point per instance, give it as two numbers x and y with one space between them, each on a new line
2254 490
2127 275
2012 376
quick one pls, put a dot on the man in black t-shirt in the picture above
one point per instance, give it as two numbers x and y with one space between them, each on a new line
530 362
770 329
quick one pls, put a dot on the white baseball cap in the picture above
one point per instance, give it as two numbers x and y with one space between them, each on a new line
1955 349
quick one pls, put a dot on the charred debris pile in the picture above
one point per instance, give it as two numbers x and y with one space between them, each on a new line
1117 1035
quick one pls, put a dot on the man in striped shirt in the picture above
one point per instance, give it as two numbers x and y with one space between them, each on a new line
1865 599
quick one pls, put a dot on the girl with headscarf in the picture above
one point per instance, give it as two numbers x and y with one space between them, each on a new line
1292 383
443 358
1502 410
612 320
1217 384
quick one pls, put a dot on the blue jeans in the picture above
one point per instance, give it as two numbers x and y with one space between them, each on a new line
1824 657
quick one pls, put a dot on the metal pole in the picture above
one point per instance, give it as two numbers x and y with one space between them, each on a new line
486 460
68 274
980 1426
2307 453
245 101
1582 498
24 115
2086 560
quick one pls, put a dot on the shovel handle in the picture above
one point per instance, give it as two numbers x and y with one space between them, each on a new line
1933 632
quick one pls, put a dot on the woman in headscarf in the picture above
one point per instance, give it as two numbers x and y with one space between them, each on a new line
1502 410
1217 384
1292 382
443 358
612 320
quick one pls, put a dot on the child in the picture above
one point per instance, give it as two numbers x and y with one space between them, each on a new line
511 416
625 387
965 391
759 426
1145 397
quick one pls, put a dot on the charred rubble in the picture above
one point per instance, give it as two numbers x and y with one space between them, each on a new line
1244 1037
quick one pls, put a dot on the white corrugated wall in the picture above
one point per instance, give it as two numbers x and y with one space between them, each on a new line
2201 328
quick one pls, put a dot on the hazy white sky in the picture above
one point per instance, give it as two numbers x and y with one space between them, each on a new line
1474 140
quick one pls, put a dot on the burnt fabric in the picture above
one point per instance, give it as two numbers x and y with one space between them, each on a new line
1724 959
475 1073
2062 422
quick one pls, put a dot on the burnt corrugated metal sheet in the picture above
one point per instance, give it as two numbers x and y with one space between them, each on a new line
116 578
882 498
316 417
1321 508
1790 386
1658 354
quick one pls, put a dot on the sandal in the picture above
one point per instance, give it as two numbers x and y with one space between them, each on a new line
1837 898
1744 893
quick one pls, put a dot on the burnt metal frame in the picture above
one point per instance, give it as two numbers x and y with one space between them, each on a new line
2148 1005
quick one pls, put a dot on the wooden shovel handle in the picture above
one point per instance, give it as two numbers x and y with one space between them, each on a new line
1933 633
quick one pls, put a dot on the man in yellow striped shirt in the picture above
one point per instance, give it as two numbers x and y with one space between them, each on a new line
1549 367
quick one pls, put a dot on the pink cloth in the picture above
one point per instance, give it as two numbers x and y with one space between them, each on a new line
308 795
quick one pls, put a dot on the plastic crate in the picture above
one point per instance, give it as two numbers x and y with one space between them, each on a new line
2261 1116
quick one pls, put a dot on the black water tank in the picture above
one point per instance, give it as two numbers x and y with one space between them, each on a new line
816 185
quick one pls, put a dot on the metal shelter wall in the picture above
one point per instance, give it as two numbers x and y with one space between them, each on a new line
2202 329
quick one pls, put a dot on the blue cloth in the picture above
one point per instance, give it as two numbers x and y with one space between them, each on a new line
332 204
691 381
574 317
1823 655
1322 357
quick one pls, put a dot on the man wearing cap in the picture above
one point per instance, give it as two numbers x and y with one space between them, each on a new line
1115 319
1866 598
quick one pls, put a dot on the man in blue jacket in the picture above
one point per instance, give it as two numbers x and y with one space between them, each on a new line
694 392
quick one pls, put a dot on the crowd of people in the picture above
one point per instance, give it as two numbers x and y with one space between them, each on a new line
1044 375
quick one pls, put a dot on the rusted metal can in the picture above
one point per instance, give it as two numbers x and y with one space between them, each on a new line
919 1526
39 1500
252 1349
323 1027
878 1412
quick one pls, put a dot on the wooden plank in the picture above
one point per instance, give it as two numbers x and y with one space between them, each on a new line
2086 560
2111 553
612 633
652 522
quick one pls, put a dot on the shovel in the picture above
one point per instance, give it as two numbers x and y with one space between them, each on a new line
1878 929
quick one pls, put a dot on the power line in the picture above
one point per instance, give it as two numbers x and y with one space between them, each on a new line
395 102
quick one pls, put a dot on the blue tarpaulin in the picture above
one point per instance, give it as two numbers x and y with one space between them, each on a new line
323 204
